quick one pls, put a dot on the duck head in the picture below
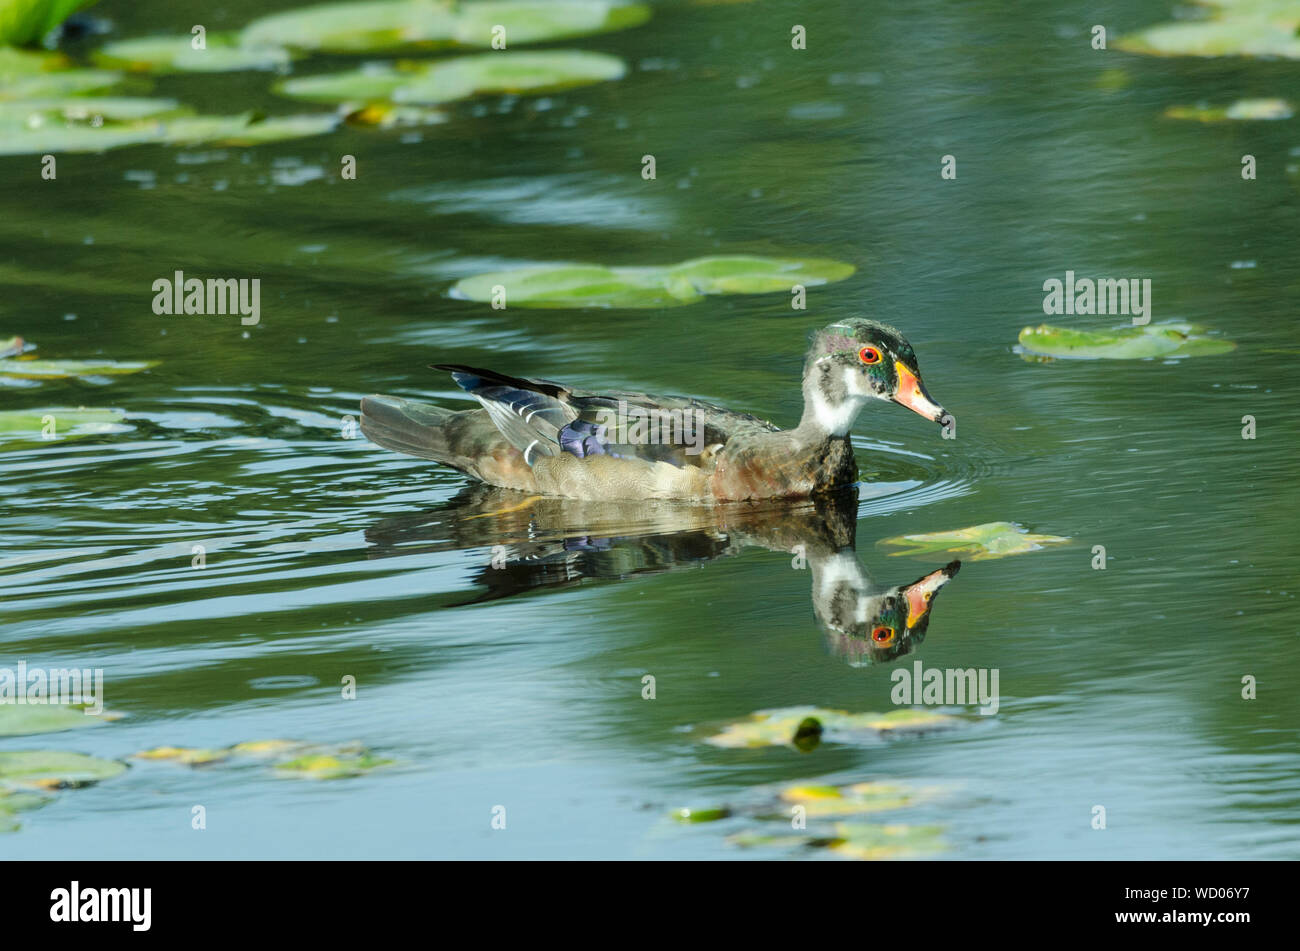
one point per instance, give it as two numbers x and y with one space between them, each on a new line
856 360
866 626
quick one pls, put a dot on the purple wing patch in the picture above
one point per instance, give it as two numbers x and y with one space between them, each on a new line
582 439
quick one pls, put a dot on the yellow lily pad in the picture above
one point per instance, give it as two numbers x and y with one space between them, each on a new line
981 542
331 766
180 754
825 802
877 842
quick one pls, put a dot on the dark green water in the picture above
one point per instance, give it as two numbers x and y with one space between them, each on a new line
329 557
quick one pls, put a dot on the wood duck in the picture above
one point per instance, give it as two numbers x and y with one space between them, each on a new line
548 439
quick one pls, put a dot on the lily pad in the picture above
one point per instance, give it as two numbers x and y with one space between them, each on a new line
62 369
394 24
1256 109
875 842
67 422
247 129
331 766
29 75
186 755
787 726
13 802
458 78
27 21
28 719
1264 28
1123 343
591 285
705 814
222 52
50 769
11 347
980 542
822 802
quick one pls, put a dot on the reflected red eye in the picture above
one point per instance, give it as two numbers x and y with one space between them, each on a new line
869 355
882 635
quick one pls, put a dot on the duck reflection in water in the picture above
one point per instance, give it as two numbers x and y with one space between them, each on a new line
546 542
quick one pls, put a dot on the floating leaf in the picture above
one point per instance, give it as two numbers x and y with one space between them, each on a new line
875 842
590 285
27 21
265 747
785 726
706 814
62 369
823 802
180 754
1238 28
49 769
11 347
1123 343
365 27
33 75
458 78
222 52
248 129
1241 109
28 719
67 422
981 542
12 802
31 113
329 766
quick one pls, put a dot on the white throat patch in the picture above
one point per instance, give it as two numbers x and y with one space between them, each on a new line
837 419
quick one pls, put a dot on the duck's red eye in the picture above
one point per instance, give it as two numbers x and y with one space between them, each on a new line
869 355
882 635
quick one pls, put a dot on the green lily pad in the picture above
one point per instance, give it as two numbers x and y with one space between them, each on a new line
62 369
457 78
31 113
706 814
13 802
11 347
222 52
590 285
331 766
29 719
980 542
787 725
876 842
1122 343
27 21
243 130
394 24
31 75
1238 28
1257 109
49 769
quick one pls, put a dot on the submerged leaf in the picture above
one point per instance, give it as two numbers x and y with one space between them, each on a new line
179 754
12 802
875 842
591 285
785 726
981 542
1123 343
50 769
